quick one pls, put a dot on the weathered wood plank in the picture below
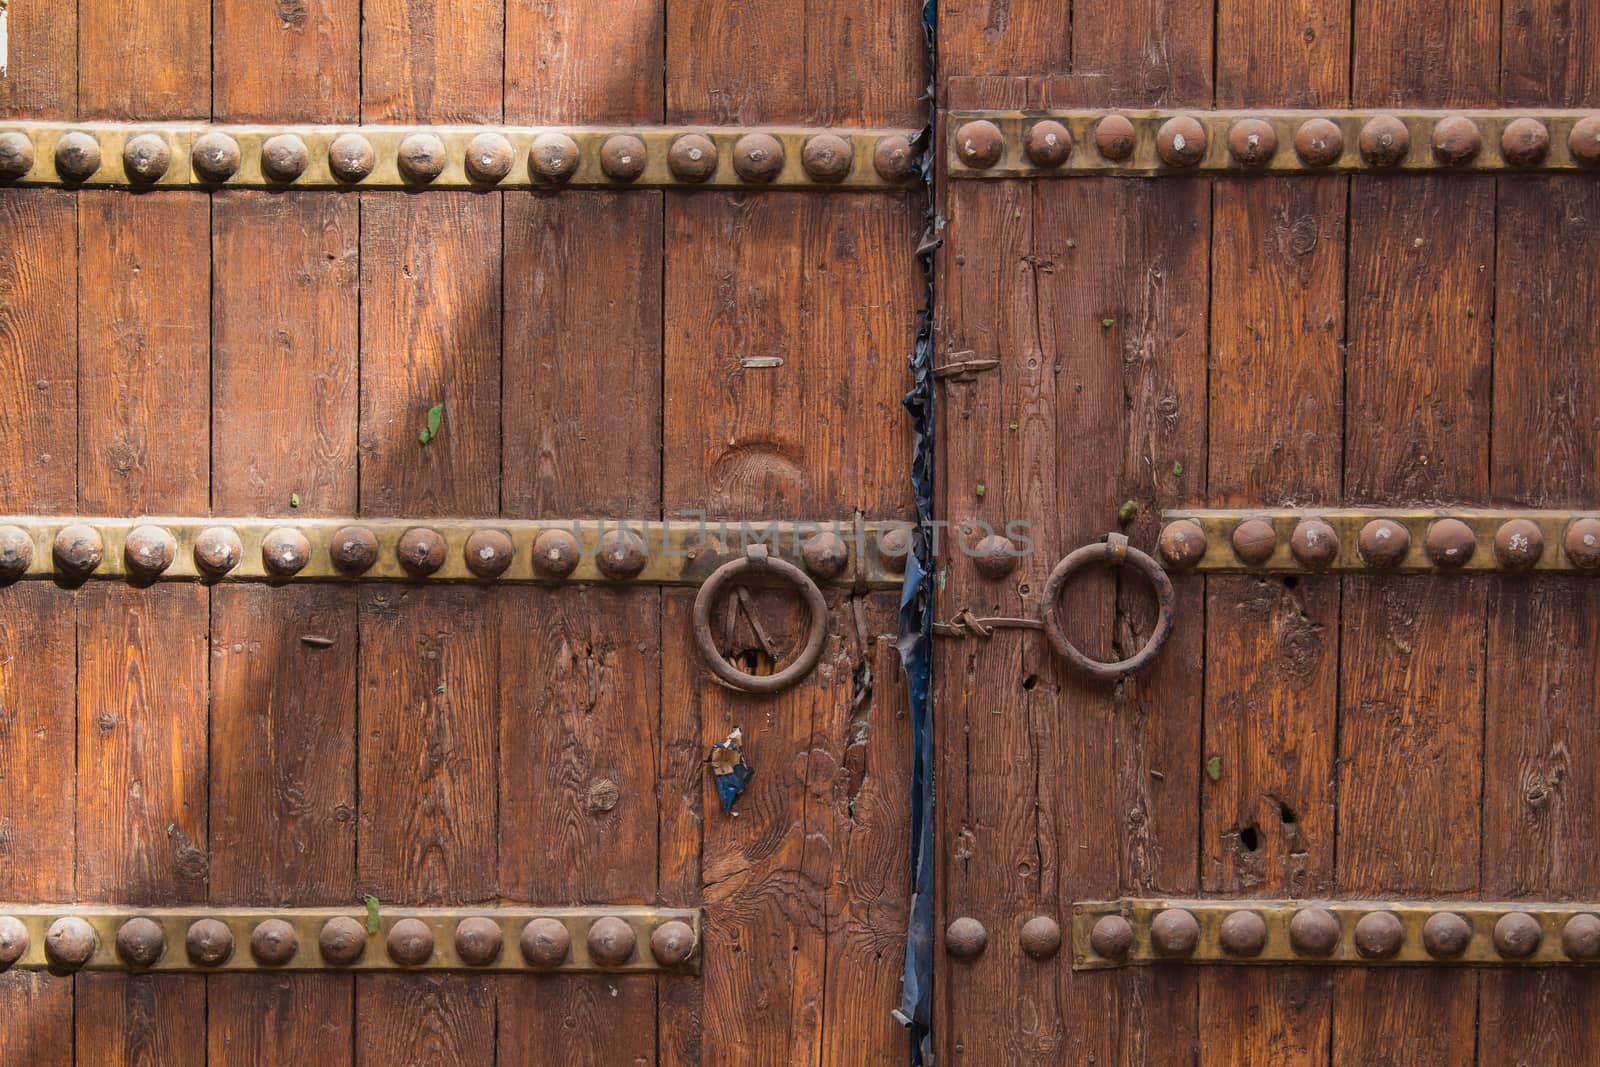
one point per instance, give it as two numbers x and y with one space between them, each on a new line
143 59
41 79
432 60
297 61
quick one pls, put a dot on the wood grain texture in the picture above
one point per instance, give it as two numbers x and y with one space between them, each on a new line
682 805
297 60
41 79
432 60
586 64
144 60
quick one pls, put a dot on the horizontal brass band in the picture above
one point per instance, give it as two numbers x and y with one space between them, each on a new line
237 946
1331 932
1002 144
869 555
370 157
1415 540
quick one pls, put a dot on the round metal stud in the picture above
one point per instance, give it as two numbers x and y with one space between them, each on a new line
1182 544
16 553
1254 541
488 553
1518 544
827 157
14 940
1047 143
69 944
410 942
489 158
1582 542
1525 142
353 549
1584 141
623 157
1379 935
1114 137
611 941
621 554
420 551
1319 142
149 551
1580 937
553 159
1253 142
1384 543
1517 935
1181 141
16 155
478 941
545 943
146 157
758 157
1446 935
965 939
1314 543
995 556
979 144
555 553
1112 937
208 942
217 550
422 158
894 545
215 156
825 555
273 942
1041 937
77 156
1243 933
692 157
893 158
1450 543
140 942
1174 932
285 551
1456 140
672 942
342 940
1314 931
284 157
78 549
1384 141
351 157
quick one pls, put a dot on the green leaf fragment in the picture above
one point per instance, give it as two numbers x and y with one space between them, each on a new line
294 500
980 490
1214 768
1108 323
372 914
1128 512
435 418
1177 470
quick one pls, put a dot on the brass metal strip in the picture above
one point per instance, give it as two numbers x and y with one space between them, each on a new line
211 939
199 155
1119 933
1076 143
678 552
1429 540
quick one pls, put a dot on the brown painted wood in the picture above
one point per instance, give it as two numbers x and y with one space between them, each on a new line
144 59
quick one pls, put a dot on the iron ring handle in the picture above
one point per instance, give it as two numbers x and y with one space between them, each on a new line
757 561
1115 552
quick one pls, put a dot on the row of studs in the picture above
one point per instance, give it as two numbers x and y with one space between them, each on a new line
1181 142
71 942
216 156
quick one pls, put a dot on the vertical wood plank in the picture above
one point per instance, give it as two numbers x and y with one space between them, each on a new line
144 60
432 60
41 79
286 62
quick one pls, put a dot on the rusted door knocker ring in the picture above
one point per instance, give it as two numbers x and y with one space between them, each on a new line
1115 552
756 560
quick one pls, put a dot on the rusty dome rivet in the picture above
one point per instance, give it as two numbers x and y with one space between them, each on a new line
825 555
965 938
1384 141
1525 142
273 942
1243 933
1518 544
146 157
545 943
979 144
353 549
16 552
1114 136
284 157
692 157
1582 542
140 942
1254 541
1517 935
478 940
1450 543
611 941
421 551
422 158
553 159
1384 543
1112 937
285 551
69 944
14 941
1446 935
208 942
894 545
623 156
217 550
1041 937
1456 140
351 157
77 156
410 942
1174 932
672 942
995 556
1047 143
1314 543
16 155
148 551
621 554
827 158
1319 142
1379 935
1182 544
215 156
1584 141
1314 931
1181 141
555 553
78 549
1253 142
893 158
489 158
488 552
342 940
758 157
1580 937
